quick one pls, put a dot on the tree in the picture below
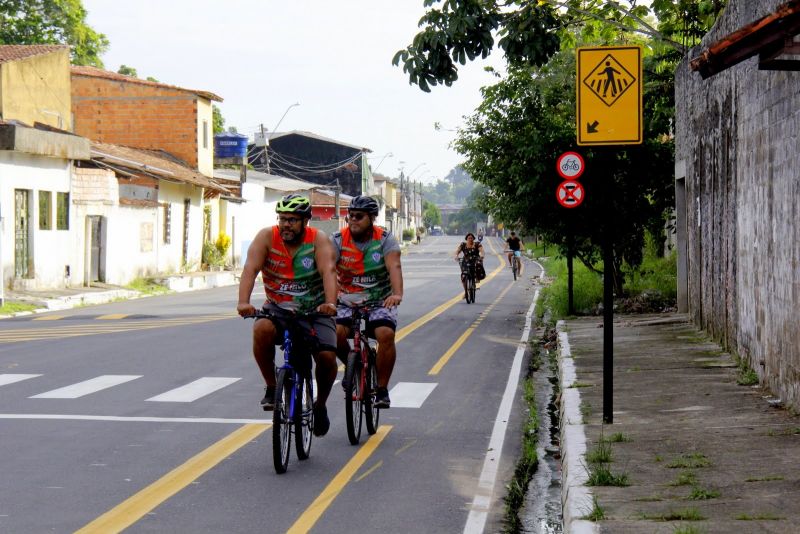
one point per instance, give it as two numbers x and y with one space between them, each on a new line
127 71
431 216
52 22
217 120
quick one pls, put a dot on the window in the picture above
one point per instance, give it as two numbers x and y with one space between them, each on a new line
205 134
45 210
167 224
62 211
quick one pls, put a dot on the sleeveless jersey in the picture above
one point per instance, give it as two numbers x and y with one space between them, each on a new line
293 283
362 274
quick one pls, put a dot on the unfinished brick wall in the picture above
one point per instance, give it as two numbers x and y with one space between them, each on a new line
136 115
737 135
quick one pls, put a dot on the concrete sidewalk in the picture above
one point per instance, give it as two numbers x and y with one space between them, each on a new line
98 293
698 452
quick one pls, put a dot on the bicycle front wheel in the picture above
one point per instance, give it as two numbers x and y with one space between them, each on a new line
281 422
303 417
515 267
353 396
370 384
471 288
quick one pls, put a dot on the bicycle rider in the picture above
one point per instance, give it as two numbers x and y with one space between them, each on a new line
299 275
515 244
368 266
472 251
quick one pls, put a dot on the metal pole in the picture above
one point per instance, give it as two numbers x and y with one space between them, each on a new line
608 322
570 245
336 200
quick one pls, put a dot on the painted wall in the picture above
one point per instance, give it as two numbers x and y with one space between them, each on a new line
205 137
37 89
738 163
50 249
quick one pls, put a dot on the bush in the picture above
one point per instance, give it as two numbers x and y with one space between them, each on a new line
409 234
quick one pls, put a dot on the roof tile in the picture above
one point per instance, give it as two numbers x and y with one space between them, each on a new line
17 52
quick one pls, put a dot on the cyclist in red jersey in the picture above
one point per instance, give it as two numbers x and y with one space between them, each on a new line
369 271
299 274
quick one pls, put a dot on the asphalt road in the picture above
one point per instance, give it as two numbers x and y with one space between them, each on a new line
143 415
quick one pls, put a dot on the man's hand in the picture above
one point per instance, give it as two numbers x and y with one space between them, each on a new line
392 301
327 308
245 308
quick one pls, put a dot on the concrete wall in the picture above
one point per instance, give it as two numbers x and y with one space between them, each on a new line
49 249
737 136
205 137
37 89
137 115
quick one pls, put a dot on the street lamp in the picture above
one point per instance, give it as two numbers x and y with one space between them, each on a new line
281 119
387 155
264 136
415 169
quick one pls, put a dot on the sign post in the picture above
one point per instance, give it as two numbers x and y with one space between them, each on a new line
570 194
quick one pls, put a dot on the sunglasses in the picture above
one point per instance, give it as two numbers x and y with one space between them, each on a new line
356 215
289 220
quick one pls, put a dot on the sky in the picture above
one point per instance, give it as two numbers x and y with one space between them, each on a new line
334 58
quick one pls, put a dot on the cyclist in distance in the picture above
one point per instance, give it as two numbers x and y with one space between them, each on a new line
472 251
369 271
514 244
299 275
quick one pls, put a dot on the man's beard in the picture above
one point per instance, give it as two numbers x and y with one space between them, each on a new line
291 237
362 236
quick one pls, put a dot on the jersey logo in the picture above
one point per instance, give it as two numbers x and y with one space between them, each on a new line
294 289
376 257
307 262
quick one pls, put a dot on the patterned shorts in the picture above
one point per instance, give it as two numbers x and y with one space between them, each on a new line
379 316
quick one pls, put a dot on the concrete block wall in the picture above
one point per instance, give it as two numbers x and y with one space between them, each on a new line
737 135
136 115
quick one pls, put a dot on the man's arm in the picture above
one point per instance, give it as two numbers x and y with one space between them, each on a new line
256 257
392 260
324 255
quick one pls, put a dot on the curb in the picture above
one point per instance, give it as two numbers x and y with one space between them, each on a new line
576 497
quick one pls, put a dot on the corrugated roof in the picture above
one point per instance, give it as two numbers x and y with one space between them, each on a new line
142 161
271 181
94 72
16 52
312 135
326 197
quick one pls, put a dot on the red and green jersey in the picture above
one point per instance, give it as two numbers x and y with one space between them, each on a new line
362 267
293 282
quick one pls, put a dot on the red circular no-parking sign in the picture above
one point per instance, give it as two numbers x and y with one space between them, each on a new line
570 193
570 165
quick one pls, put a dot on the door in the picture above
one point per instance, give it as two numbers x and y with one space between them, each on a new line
97 262
22 219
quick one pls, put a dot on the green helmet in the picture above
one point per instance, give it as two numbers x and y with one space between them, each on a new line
294 203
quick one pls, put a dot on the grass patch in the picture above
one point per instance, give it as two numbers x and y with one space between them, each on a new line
687 478
687 529
758 517
702 494
580 385
587 288
600 454
526 466
786 432
619 437
586 411
147 286
652 498
687 514
601 475
768 478
694 460
597 513
15 307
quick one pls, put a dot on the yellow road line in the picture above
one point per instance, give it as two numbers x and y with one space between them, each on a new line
131 510
112 316
306 521
49 318
468 332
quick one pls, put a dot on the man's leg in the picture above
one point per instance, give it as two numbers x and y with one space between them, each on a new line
325 371
387 355
342 345
264 353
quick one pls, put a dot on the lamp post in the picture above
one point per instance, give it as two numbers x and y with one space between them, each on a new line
264 136
387 155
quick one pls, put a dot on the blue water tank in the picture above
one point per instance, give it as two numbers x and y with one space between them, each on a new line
230 145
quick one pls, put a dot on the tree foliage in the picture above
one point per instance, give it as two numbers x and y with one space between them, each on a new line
127 71
431 216
217 120
52 22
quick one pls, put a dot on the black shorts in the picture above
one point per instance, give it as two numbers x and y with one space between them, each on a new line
320 329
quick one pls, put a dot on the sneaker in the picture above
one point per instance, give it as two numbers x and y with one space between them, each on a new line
321 421
268 402
382 398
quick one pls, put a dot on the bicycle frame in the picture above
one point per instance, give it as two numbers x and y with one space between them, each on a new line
361 377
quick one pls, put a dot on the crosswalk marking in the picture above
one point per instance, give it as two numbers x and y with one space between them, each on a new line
410 394
86 387
10 378
194 390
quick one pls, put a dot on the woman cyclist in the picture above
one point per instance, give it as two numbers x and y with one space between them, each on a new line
472 251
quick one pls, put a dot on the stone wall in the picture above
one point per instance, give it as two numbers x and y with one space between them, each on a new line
737 140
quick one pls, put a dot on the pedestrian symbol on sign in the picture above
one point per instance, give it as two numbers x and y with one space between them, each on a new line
609 80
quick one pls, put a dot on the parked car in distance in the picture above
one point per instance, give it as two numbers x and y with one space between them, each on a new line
437 230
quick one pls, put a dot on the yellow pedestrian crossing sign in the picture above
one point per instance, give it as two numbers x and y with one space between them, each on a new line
609 95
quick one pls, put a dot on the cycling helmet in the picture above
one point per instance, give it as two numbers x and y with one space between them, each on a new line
294 203
364 203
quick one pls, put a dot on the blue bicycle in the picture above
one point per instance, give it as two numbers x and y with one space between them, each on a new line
294 396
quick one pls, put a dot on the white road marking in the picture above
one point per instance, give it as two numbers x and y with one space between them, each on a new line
194 390
86 387
410 394
10 378
133 419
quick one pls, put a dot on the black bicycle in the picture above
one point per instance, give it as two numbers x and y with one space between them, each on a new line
294 396
468 276
360 379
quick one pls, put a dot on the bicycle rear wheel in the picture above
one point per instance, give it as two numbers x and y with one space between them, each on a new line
515 267
353 396
303 417
471 288
372 414
281 423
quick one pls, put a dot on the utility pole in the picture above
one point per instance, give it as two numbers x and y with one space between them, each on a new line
266 154
402 204
337 191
